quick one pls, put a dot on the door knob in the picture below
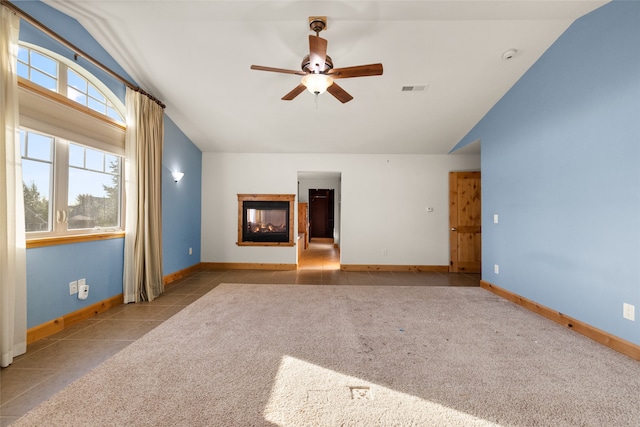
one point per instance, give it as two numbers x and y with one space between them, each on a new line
454 229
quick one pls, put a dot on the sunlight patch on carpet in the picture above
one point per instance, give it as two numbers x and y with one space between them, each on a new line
307 394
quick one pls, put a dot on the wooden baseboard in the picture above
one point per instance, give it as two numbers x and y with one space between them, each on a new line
170 278
56 325
384 267
246 266
285 267
615 343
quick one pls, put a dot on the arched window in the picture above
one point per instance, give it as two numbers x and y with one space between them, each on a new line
60 75
72 147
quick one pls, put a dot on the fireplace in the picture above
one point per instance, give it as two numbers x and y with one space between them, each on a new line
265 219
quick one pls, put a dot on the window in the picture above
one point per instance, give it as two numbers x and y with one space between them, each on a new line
94 188
38 68
72 158
82 193
83 92
37 169
64 77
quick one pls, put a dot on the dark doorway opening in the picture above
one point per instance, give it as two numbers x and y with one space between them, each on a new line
321 213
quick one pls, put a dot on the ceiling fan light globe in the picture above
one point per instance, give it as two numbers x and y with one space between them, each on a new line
317 83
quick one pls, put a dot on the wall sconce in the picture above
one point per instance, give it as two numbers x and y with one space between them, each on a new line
177 176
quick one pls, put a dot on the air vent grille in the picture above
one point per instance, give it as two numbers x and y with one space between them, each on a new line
414 88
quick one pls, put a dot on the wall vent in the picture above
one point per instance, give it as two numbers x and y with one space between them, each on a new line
414 88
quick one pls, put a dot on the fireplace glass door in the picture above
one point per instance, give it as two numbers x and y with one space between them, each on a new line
265 221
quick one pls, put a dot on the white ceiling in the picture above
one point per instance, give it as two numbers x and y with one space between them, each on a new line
195 57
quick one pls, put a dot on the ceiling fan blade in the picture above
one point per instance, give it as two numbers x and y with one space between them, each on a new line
277 70
295 92
340 94
357 71
317 53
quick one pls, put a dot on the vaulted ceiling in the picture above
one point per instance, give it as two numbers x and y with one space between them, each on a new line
196 55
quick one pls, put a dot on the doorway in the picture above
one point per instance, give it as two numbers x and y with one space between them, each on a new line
465 220
319 196
321 213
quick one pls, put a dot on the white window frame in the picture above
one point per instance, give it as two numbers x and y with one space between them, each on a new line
62 82
54 114
58 193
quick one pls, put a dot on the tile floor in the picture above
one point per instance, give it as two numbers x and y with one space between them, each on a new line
52 363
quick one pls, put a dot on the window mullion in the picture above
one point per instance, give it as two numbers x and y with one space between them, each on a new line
61 182
62 78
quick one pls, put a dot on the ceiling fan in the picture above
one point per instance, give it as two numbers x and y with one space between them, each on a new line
317 68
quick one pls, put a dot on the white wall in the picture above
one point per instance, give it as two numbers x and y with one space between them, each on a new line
383 204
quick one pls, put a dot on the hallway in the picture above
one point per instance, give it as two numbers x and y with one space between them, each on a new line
321 254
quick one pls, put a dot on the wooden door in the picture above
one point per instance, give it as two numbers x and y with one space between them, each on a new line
321 204
465 222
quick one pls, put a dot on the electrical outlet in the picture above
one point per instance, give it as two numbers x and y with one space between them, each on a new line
495 218
73 287
384 252
629 311
190 251
496 268
82 282
83 291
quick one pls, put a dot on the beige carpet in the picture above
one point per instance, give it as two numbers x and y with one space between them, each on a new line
290 355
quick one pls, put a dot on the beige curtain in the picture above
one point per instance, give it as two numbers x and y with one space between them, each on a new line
13 281
143 240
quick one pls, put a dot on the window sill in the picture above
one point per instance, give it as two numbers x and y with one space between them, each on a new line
65 240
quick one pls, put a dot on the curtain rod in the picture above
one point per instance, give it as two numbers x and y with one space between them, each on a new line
76 51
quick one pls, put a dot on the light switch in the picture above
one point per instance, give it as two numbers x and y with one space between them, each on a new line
495 218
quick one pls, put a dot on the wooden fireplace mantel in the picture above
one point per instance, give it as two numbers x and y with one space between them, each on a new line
266 198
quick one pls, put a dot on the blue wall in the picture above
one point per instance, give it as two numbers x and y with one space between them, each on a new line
561 167
181 209
50 269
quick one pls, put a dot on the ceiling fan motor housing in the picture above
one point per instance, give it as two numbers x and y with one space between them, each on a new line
307 68
317 23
